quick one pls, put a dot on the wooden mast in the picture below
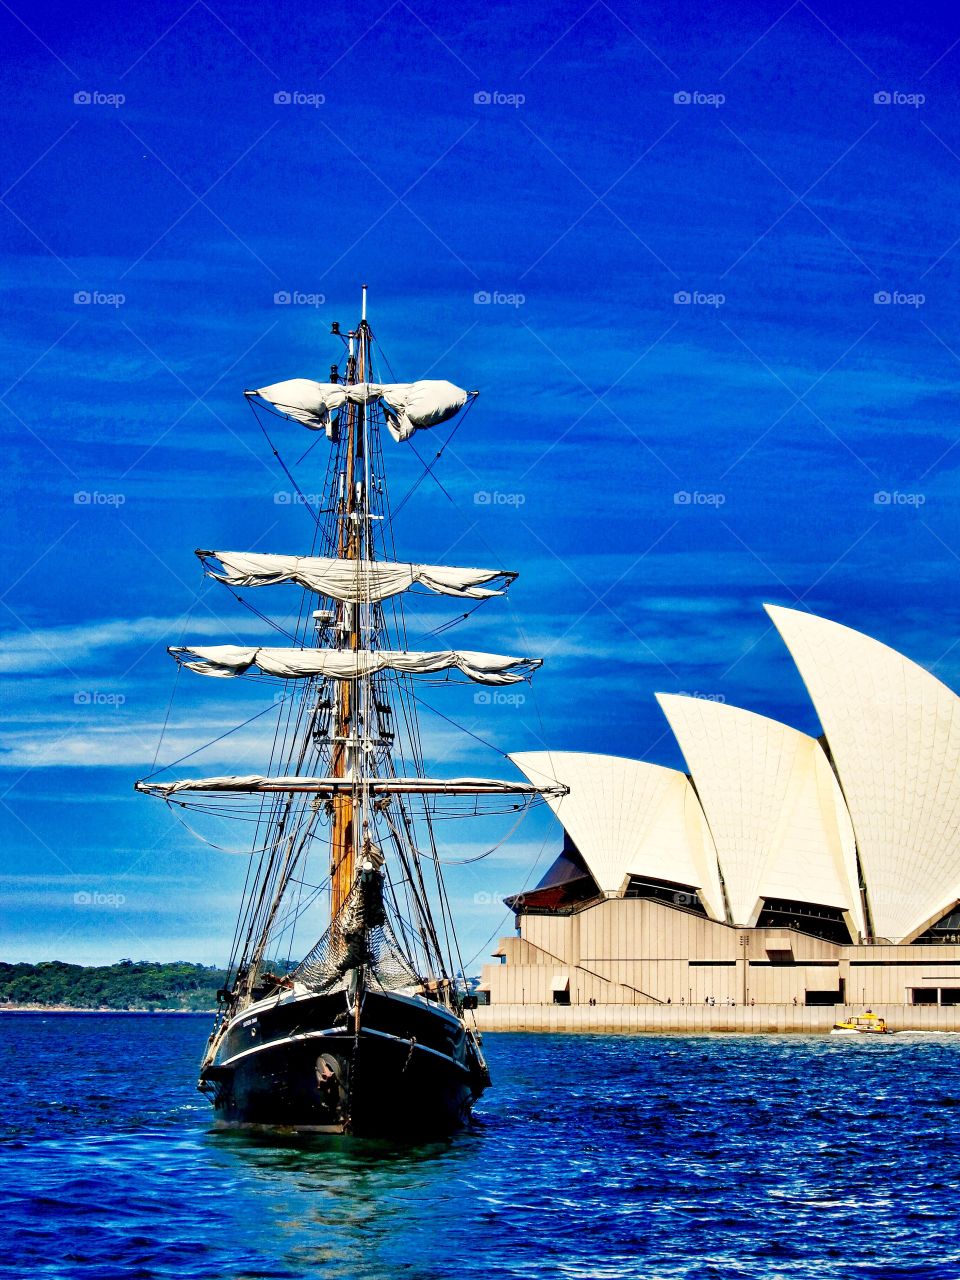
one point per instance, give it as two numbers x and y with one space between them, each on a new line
345 754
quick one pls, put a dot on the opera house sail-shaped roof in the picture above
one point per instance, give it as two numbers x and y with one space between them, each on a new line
894 734
776 813
627 817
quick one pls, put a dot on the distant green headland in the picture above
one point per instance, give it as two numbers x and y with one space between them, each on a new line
128 985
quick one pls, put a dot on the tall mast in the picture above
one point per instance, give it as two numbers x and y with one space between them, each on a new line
347 751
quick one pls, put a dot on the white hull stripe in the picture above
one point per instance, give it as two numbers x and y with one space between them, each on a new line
274 1002
337 1031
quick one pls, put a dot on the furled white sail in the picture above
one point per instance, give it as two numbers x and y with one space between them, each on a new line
350 580
312 403
255 782
407 406
412 406
347 664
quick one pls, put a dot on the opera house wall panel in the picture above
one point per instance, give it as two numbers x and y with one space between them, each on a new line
636 951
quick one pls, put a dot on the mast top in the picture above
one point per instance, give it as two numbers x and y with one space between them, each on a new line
363 307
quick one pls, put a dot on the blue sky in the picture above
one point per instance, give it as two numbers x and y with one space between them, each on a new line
590 161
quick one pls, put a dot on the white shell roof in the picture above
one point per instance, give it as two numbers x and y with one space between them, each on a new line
630 818
894 733
776 813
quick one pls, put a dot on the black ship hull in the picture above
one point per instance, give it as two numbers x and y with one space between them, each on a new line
404 1066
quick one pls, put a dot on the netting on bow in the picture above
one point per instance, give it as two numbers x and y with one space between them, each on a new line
360 935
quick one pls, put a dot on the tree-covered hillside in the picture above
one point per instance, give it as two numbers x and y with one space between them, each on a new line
130 984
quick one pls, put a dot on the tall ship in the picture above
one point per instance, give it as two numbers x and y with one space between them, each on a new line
369 1030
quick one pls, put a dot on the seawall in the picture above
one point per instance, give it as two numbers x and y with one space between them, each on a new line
703 1019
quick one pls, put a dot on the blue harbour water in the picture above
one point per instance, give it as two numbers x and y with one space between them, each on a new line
593 1157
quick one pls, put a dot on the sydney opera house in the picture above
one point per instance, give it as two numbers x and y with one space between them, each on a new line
779 869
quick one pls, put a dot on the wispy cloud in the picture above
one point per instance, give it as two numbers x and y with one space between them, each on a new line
87 644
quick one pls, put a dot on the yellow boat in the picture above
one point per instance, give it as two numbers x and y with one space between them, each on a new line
868 1023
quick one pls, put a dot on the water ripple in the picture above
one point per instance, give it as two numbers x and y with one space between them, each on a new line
594 1157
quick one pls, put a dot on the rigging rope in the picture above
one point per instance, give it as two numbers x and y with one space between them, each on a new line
176 682
287 472
240 853
289 819
289 635
506 915
461 727
428 469
274 706
464 862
